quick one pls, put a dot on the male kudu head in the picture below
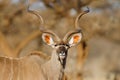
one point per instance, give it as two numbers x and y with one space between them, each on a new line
61 46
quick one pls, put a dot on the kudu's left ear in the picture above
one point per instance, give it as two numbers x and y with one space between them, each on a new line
48 39
75 39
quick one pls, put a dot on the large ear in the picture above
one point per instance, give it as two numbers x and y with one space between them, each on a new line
48 39
75 39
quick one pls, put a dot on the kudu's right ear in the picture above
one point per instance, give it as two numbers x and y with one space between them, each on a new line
48 39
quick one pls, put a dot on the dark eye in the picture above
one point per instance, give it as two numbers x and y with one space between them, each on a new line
67 45
55 45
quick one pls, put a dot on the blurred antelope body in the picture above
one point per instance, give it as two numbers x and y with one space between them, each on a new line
29 68
20 69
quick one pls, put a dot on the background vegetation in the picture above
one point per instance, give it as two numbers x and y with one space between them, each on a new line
19 30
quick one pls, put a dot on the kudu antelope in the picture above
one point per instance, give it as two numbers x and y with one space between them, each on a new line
29 68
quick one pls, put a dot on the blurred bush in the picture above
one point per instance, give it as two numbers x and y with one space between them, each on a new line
103 20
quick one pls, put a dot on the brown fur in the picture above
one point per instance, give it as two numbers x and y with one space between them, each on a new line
29 68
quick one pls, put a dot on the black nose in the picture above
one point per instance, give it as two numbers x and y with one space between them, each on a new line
61 49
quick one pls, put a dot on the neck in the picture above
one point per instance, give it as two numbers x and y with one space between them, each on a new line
54 69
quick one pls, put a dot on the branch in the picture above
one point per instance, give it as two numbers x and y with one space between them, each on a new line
41 54
26 41
84 3
5 47
82 52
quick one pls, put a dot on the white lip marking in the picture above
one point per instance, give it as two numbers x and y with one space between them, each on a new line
62 55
